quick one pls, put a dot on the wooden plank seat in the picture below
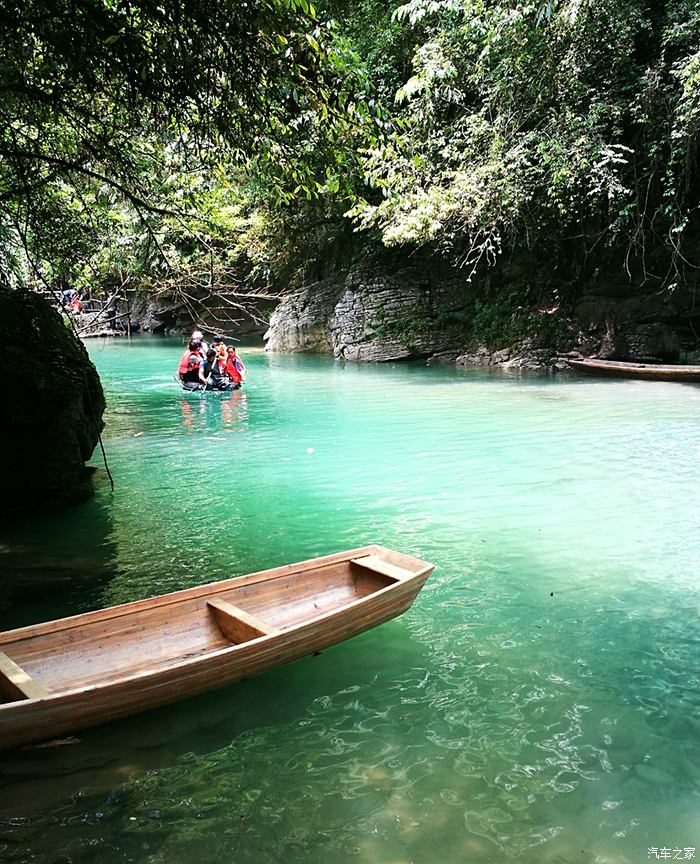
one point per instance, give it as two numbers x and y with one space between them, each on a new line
379 565
15 683
238 625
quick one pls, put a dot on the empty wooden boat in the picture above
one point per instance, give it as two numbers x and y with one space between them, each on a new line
646 371
75 672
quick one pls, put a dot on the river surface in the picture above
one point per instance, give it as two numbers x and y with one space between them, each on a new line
539 703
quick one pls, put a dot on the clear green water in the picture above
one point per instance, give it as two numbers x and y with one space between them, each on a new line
539 703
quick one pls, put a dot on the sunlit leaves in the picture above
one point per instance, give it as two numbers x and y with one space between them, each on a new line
143 98
433 69
530 119
417 10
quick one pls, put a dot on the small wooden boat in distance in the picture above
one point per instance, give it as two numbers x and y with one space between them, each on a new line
646 371
83 670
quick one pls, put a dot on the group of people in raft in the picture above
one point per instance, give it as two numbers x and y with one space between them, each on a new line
210 367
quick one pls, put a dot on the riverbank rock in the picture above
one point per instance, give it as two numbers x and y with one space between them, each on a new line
371 315
165 313
523 358
517 316
52 406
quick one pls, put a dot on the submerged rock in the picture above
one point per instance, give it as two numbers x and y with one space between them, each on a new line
52 406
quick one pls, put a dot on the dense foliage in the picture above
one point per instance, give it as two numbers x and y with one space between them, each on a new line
128 127
524 122
269 141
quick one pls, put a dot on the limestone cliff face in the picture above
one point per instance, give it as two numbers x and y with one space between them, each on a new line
373 314
370 315
52 406
164 313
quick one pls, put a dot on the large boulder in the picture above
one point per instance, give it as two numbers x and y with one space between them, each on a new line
52 406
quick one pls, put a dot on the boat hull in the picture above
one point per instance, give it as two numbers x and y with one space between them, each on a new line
28 720
644 371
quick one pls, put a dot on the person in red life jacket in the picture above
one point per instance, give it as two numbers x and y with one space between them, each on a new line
194 346
235 367
76 304
190 370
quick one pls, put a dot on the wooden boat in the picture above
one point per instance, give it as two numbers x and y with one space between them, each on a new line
83 670
647 371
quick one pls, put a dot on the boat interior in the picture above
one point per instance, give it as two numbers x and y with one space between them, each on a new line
108 645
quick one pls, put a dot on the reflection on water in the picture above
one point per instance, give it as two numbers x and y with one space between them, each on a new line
59 570
539 703
224 412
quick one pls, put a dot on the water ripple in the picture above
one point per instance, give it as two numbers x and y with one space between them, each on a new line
538 704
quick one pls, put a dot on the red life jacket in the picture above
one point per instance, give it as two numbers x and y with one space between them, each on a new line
232 371
189 360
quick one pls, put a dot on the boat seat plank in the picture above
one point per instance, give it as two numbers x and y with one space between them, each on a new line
379 565
237 624
15 683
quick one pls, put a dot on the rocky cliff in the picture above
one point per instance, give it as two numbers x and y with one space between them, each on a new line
52 406
165 313
505 317
370 315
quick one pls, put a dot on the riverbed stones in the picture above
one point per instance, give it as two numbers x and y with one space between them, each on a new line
52 406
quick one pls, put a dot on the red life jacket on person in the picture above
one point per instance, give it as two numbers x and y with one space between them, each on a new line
190 360
184 362
232 371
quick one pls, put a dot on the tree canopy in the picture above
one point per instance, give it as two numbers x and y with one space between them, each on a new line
260 138
528 121
117 112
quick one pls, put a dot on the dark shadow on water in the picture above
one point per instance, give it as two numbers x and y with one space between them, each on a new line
55 564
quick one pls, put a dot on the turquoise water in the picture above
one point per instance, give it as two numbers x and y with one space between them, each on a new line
539 703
